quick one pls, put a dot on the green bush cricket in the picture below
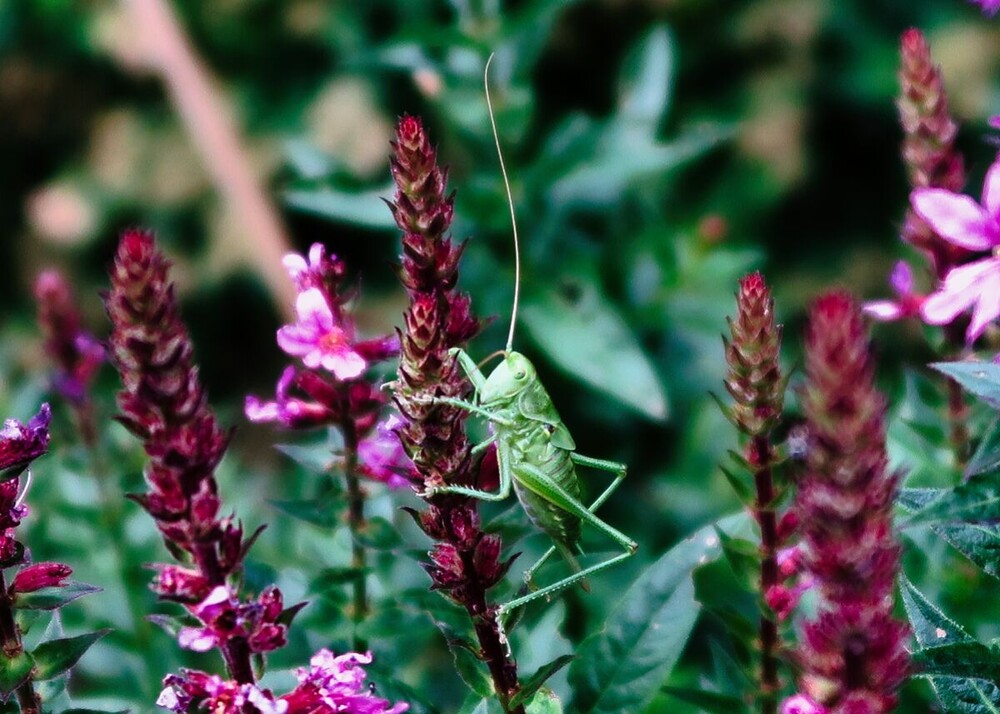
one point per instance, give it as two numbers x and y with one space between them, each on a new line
536 454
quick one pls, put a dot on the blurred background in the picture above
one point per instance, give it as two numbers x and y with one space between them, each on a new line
658 150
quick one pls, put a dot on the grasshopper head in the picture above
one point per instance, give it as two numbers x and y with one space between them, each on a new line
508 379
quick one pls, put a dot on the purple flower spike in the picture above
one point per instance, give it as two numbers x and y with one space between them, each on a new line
20 444
907 302
963 222
318 339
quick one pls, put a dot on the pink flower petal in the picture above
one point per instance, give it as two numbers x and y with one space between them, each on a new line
956 218
960 290
295 264
258 411
987 307
311 308
296 341
883 310
316 254
345 363
991 191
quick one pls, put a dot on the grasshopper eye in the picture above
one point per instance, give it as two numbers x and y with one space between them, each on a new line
520 374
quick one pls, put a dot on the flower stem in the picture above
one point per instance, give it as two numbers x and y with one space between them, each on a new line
356 523
12 646
235 651
767 519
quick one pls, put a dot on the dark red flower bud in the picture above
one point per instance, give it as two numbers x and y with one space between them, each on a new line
40 575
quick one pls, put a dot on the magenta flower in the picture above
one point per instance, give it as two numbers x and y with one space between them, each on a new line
802 704
225 618
382 457
990 7
20 444
40 575
286 409
907 302
319 271
337 684
197 691
963 222
318 338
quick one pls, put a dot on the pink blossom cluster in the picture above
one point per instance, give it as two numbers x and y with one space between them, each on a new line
326 386
225 617
331 684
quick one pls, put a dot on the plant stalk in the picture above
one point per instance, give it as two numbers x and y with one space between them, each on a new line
356 523
767 519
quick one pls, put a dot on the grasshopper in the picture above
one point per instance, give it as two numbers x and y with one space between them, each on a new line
536 453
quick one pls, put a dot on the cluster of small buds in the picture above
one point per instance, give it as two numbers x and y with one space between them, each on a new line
465 562
753 353
852 654
331 684
224 617
75 352
929 152
327 387
164 404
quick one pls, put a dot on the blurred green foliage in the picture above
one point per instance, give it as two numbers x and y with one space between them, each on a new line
658 149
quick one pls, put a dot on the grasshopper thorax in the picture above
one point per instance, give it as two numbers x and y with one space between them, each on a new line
513 375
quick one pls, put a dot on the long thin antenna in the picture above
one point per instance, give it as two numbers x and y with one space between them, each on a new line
510 202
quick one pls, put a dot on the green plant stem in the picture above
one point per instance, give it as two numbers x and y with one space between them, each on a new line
27 698
356 523
768 630
111 514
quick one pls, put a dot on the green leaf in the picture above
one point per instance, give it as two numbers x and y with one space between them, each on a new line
323 512
743 557
544 702
978 499
646 79
314 458
379 534
711 702
469 666
361 208
539 678
987 456
979 542
621 667
53 598
933 629
13 672
959 659
584 335
979 378
54 657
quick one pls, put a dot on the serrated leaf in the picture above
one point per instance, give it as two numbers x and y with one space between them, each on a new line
54 657
13 672
711 702
959 659
470 668
987 456
931 627
585 336
540 677
979 542
979 378
976 500
53 598
621 667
